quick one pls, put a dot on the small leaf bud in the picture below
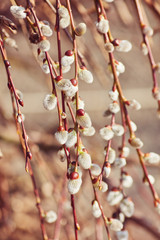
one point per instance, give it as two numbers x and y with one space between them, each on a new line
109 47
74 175
80 29
144 49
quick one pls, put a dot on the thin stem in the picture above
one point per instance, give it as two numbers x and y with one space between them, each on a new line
150 54
53 87
105 219
23 139
146 176
76 225
76 71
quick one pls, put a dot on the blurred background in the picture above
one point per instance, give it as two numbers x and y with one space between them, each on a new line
18 215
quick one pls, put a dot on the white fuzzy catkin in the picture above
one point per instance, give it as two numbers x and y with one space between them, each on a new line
61 136
115 225
80 103
104 186
124 46
63 11
114 107
109 69
44 45
72 139
84 121
72 91
144 49
122 235
64 17
118 129
136 142
111 155
133 126
66 69
18 12
134 104
148 31
64 84
46 30
64 22
120 67
127 207
109 47
107 171
84 160
127 180
67 60
74 185
106 133
50 216
120 162
103 26
96 209
151 179
85 75
88 131
125 152
50 102
121 217
113 95
45 68
95 169
114 197
151 158
11 42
